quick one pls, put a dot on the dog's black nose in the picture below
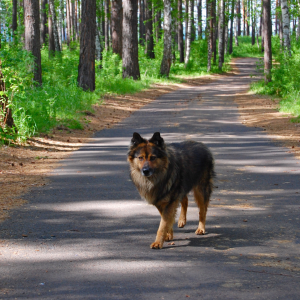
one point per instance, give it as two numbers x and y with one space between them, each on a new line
147 171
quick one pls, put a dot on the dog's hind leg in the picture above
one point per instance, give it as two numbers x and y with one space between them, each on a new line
165 230
202 200
182 217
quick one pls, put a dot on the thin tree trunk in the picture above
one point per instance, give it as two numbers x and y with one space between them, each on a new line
209 33
116 24
286 27
32 36
180 33
298 29
54 26
68 22
231 27
130 40
44 27
51 45
226 39
199 8
86 68
188 34
167 55
221 33
193 29
149 49
214 32
267 28
236 31
158 25
14 16
106 21
239 18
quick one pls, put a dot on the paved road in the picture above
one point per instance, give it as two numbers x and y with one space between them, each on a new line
89 232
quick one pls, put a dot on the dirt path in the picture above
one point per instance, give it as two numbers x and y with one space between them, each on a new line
27 166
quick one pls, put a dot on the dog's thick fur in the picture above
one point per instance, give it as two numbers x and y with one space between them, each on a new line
165 173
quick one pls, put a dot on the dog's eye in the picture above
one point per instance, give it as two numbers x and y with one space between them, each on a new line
141 158
152 158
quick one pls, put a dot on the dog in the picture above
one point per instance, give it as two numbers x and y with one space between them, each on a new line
164 174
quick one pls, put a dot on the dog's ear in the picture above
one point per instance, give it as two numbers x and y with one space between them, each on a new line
137 139
157 140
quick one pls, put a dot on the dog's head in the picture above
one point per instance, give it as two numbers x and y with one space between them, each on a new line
147 156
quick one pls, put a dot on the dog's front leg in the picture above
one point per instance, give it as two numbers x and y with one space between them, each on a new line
165 230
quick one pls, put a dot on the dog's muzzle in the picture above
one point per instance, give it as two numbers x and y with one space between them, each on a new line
146 171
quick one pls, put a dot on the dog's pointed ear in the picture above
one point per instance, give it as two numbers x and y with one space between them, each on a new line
157 140
137 139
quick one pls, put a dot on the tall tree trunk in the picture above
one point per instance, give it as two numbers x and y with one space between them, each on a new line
188 34
187 3
180 32
286 27
52 14
236 31
167 55
244 18
221 33
193 29
51 45
68 22
116 24
44 27
106 21
199 9
86 68
158 25
149 49
298 29
231 27
209 27
267 28
239 17
130 40
226 38
14 16
32 36
215 32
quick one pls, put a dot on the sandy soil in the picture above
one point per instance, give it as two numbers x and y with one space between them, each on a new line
25 166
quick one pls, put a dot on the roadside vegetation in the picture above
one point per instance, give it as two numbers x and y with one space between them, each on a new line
285 82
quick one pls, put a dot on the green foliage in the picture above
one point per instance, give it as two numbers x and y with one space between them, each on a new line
285 78
245 48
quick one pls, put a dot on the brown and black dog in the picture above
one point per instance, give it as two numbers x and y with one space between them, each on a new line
165 173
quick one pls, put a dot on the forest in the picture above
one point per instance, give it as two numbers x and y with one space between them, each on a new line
59 57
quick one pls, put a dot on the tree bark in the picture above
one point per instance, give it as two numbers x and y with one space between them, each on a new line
193 29
44 27
51 45
116 24
221 33
286 27
130 40
180 33
199 9
106 26
158 25
86 68
231 27
167 55
239 18
149 49
14 16
32 36
52 14
267 29
188 34
209 34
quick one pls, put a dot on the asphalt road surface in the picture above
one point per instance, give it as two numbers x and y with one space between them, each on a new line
86 234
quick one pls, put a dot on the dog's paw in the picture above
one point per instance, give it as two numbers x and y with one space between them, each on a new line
200 231
181 223
169 237
156 245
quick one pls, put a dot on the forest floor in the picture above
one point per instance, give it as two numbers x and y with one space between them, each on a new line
25 166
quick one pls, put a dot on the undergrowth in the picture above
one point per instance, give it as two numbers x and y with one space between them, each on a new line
285 82
59 101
